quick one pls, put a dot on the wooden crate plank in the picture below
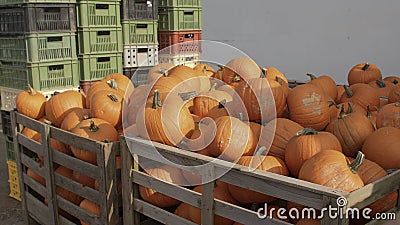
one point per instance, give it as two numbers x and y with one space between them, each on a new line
180 193
159 214
30 144
39 209
76 164
30 123
40 189
63 221
374 191
32 164
77 188
127 186
207 197
74 140
78 212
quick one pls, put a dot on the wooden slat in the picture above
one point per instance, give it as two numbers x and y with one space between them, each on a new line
374 191
32 164
182 194
127 186
74 140
39 188
159 214
78 212
77 188
112 207
30 144
37 208
76 164
30 123
207 197
63 221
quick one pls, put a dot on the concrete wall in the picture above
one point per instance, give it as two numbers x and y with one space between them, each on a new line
322 37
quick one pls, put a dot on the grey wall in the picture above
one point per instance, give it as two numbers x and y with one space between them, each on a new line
299 36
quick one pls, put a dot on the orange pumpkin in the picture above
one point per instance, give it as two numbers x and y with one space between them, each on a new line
67 195
240 69
123 82
91 207
73 118
158 71
31 103
107 105
362 94
206 101
382 87
364 73
325 83
389 115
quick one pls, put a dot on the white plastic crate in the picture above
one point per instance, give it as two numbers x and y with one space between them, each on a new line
140 55
8 96
190 60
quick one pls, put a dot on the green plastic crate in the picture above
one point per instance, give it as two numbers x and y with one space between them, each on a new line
96 67
38 47
41 76
179 3
15 2
98 14
140 32
10 149
175 19
99 40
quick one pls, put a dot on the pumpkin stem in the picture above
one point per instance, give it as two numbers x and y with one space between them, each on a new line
263 73
236 78
156 100
349 93
333 103
306 131
395 81
30 90
312 76
369 114
342 113
241 116
380 83
93 127
188 95
260 151
220 66
222 104
112 83
279 80
365 67
350 108
113 97
164 72
357 162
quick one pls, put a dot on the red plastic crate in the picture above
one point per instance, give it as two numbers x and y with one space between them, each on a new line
188 41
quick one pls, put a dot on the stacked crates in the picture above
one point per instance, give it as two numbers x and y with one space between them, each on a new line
139 27
99 39
179 32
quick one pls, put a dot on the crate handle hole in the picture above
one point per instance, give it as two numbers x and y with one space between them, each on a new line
142 26
55 39
102 6
103 33
103 59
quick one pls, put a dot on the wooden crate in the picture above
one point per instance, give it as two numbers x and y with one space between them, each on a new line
33 193
285 188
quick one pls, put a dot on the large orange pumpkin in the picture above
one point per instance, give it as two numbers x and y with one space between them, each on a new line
325 83
305 145
31 103
107 105
383 147
309 106
95 129
74 118
264 163
60 105
330 168
364 73
276 134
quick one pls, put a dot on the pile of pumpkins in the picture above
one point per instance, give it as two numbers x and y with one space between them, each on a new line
94 115
343 137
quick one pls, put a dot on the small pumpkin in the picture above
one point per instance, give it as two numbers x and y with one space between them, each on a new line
330 168
383 146
91 207
362 94
264 163
60 105
309 106
305 145
31 103
107 105
325 83
233 138
276 134
73 118
206 101
351 129
111 85
95 129
240 69
364 73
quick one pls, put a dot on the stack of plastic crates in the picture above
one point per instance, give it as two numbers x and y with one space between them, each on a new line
37 47
99 39
179 31
140 44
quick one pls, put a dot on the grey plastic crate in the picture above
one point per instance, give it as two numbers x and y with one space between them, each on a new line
137 75
139 9
38 18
